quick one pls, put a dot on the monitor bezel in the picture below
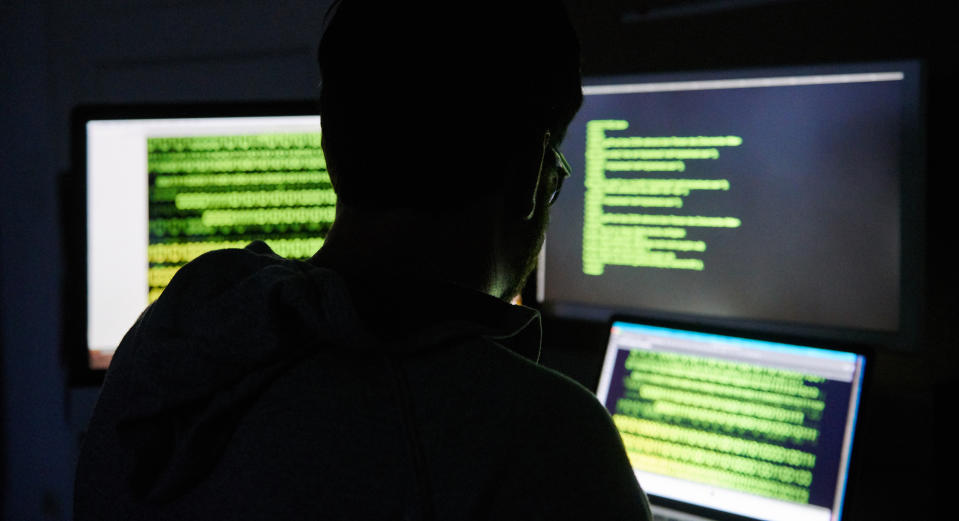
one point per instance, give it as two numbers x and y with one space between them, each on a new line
75 353
908 335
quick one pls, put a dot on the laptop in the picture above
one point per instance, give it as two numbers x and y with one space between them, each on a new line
718 426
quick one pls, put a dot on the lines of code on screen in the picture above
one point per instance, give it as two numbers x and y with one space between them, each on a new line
214 192
759 430
635 191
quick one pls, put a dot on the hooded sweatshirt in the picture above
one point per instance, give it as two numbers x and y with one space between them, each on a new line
257 387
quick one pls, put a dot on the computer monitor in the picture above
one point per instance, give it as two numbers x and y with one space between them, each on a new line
161 185
789 197
730 426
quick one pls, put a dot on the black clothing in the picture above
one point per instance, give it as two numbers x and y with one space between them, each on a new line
253 388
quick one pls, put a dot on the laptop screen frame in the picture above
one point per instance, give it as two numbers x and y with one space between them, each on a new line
847 493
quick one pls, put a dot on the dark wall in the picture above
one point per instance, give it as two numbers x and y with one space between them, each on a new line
57 54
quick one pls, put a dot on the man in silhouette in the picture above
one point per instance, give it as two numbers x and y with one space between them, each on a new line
389 377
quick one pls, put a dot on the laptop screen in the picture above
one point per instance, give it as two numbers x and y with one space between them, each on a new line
750 427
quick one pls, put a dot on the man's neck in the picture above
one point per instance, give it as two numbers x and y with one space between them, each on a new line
401 249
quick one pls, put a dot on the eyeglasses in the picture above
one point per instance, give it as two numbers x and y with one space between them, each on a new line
564 171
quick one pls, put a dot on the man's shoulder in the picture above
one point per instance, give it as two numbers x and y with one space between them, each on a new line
216 270
544 395
565 456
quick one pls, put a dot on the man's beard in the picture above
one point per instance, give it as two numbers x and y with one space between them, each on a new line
528 261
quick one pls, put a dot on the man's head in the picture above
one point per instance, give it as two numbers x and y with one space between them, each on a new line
423 102
437 106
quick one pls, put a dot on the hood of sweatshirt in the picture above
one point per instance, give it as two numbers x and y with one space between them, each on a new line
177 388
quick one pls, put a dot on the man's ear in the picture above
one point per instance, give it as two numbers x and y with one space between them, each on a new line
524 190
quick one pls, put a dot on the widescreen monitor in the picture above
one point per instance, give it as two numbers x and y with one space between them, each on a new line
787 196
165 184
